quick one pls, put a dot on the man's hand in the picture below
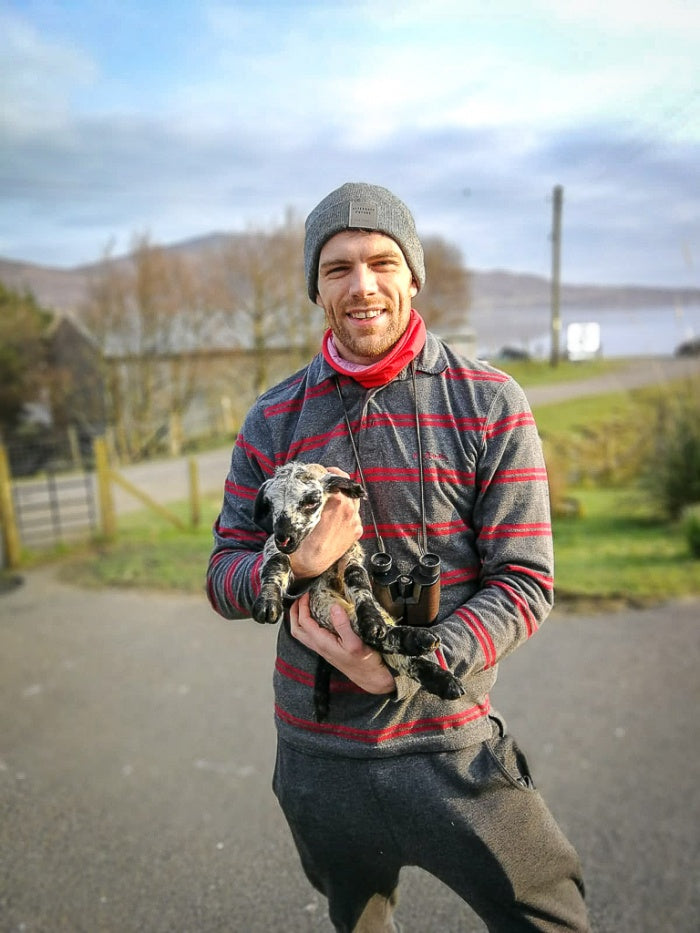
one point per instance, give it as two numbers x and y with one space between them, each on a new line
339 528
342 648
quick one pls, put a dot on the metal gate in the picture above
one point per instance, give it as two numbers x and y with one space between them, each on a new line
54 508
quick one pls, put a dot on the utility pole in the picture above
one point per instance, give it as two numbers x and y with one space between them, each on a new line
557 199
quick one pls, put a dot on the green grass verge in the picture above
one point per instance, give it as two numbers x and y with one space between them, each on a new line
618 549
149 553
615 551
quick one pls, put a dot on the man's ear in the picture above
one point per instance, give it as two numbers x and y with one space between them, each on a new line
319 302
413 290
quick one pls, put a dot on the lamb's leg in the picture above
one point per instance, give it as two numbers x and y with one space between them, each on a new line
322 689
275 573
412 640
429 675
372 622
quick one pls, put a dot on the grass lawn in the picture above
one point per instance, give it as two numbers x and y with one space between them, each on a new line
149 552
618 550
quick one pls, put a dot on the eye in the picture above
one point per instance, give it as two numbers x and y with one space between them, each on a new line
310 503
335 271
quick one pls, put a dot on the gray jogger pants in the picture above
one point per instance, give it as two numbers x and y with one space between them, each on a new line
470 817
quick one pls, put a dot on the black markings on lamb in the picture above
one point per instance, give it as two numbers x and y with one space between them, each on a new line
293 500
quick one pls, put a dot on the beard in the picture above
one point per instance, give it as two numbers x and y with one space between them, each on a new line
374 342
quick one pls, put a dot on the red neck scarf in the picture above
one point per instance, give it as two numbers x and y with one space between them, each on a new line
406 348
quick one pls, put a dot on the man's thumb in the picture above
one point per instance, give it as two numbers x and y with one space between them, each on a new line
340 619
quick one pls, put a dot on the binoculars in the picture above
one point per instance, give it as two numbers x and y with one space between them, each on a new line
411 598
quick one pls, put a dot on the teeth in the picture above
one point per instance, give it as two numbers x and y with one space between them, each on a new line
364 315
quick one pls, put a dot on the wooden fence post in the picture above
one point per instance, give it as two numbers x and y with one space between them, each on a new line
195 505
108 520
8 523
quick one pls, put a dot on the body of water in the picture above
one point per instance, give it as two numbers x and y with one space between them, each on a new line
654 331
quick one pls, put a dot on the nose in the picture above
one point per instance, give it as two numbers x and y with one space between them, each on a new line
363 281
284 533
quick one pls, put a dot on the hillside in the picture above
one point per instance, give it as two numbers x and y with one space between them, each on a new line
499 289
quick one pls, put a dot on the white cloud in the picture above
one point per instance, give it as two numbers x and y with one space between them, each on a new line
37 75
256 108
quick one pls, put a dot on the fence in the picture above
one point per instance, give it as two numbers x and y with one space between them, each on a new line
52 509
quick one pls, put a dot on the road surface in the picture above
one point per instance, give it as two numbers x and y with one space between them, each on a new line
137 747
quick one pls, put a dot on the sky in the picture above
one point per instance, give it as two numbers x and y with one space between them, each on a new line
177 119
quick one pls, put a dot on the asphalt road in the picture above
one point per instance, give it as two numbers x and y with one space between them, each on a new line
136 753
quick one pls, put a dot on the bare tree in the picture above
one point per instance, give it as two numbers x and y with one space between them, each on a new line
148 312
445 299
263 296
222 322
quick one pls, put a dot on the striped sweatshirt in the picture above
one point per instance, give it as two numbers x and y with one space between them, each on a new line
487 513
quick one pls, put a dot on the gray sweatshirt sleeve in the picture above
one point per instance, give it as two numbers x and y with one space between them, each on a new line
233 573
513 536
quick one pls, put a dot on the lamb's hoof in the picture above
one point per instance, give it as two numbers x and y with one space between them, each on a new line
421 641
411 641
372 628
267 611
452 690
375 633
437 680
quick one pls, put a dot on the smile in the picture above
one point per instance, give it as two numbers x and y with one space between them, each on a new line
365 315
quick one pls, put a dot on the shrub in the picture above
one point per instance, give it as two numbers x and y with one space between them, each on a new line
671 473
691 528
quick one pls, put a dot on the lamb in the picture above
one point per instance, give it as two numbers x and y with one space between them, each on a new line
292 500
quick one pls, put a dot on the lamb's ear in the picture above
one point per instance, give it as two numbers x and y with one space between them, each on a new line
344 484
262 508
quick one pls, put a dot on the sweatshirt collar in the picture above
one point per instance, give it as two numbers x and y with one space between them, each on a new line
431 360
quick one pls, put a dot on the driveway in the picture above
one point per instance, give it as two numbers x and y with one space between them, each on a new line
136 752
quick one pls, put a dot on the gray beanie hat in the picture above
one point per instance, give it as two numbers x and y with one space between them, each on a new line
357 205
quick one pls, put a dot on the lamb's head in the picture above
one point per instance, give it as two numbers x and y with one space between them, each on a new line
292 500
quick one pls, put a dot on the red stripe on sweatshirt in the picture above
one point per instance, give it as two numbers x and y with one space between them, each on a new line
481 633
308 679
545 580
527 475
296 404
519 420
310 443
459 575
475 375
227 582
410 530
265 463
433 474
524 530
399 730
241 492
238 534
528 618
427 420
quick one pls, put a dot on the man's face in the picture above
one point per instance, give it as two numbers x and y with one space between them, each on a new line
365 287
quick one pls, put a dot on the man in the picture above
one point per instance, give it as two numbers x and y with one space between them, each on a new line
450 457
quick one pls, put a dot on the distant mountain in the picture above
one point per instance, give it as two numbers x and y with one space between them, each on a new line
494 292
60 289
499 289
